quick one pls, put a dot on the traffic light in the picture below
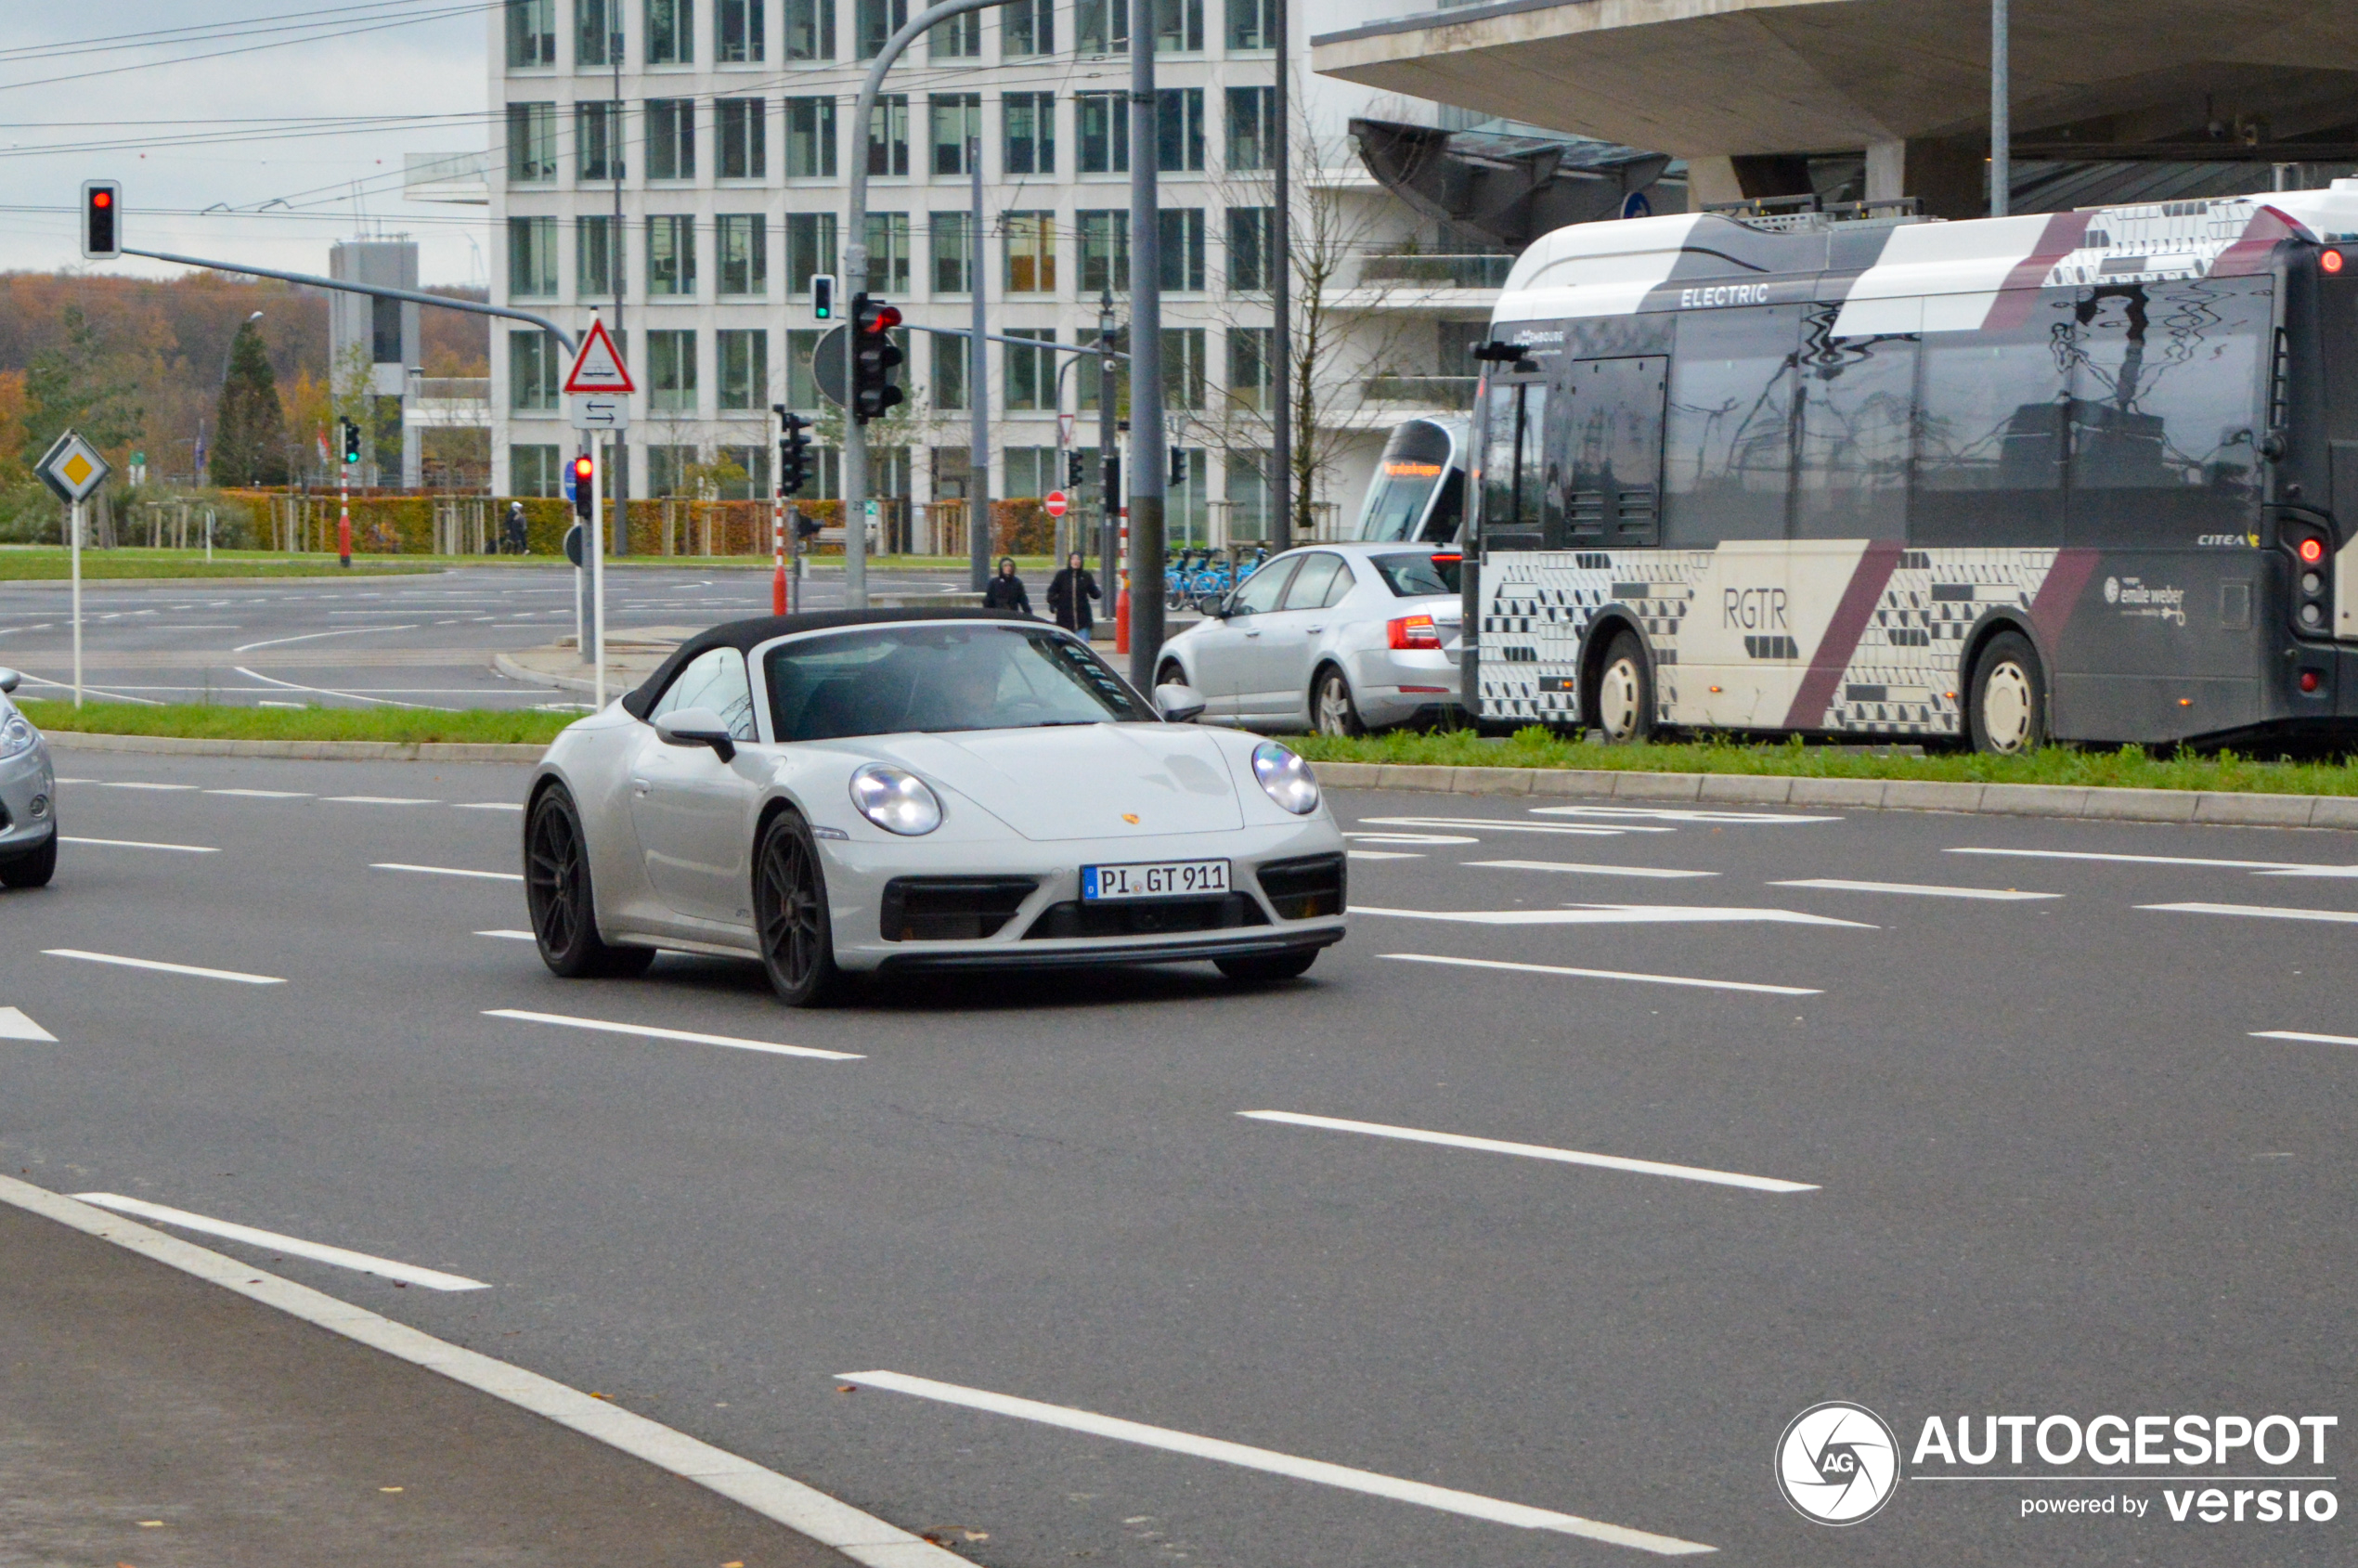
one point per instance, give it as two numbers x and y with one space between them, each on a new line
584 470
875 356
351 441
1076 471
101 207
1178 466
823 295
793 454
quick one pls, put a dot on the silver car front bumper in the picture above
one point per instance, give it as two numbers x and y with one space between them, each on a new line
28 800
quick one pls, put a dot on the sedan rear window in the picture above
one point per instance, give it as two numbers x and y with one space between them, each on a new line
897 679
1411 576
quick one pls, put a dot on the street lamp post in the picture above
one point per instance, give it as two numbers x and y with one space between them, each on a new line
2002 128
1149 465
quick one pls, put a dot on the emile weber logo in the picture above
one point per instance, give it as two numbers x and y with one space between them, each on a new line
1838 1463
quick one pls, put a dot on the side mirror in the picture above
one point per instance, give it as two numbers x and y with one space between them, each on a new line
9 682
1178 704
696 726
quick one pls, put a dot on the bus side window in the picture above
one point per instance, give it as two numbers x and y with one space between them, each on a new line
1990 433
1858 420
1728 437
1538 490
1504 525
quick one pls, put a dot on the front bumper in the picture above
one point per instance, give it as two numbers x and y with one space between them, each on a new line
28 800
859 873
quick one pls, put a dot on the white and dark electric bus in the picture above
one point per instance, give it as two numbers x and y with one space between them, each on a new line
2086 475
1420 491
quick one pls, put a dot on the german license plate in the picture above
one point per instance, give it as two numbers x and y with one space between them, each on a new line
1153 879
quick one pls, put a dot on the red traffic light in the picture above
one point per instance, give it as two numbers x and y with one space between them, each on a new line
102 198
581 468
881 318
2312 550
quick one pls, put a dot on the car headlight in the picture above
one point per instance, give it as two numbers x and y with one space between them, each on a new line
894 801
17 735
1285 778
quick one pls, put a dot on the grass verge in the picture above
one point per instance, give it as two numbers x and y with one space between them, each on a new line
2128 768
49 564
209 721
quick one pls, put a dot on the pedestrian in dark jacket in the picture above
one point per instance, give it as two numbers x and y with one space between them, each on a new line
1006 590
1069 593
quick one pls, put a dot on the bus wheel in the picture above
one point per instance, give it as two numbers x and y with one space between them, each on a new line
2009 697
1624 710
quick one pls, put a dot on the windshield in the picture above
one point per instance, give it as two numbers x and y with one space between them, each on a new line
1410 575
1414 462
893 679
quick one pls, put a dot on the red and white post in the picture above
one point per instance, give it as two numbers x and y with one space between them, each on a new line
343 513
778 548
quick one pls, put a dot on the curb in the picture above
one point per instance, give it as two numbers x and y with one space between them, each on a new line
502 665
301 751
860 1537
2221 807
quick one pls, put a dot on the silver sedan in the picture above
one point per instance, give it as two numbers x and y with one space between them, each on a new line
27 798
1340 637
903 791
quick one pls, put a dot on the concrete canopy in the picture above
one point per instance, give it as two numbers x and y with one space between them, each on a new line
1720 78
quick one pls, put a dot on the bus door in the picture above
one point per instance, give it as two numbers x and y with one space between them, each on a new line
1612 417
1515 510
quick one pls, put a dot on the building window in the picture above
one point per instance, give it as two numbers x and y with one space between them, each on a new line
532 143
1029 121
668 469
957 119
1180 244
745 367
671 31
1102 26
1252 379
888 135
532 371
744 243
1032 471
532 33
949 371
671 138
597 258
752 465
959 38
1032 374
876 21
597 34
597 140
1031 239
888 253
953 257
811 30
1105 251
1105 132
532 258
534 471
671 256
1252 127
802 385
1248 231
1179 129
1251 508
1183 374
742 125
1027 27
738 31
1253 24
671 372
810 250
1179 26
810 138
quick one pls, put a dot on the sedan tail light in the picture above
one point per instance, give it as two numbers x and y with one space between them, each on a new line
1412 631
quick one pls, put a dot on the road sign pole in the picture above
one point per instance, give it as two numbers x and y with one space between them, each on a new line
76 553
597 543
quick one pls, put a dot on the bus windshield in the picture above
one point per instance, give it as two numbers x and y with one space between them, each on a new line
1416 462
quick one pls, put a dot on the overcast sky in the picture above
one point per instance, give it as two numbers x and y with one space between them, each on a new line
339 182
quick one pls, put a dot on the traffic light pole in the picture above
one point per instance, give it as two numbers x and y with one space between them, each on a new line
344 513
594 539
855 267
1149 469
408 296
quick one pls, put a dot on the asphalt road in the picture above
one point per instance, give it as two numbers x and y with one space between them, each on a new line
422 641
2044 1166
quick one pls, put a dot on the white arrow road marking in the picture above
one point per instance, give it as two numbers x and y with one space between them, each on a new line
449 870
650 1032
1367 1481
1533 1151
14 1025
1619 914
2262 911
408 1274
315 636
161 967
1925 889
1601 974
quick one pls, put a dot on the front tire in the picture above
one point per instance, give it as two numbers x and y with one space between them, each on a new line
1331 710
790 912
1625 706
2009 690
1171 674
557 893
32 869
1266 968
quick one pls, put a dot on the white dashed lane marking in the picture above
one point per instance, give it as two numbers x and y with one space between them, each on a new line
136 844
408 1274
649 1032
1601 974
1617 914
449 870
2261 911
2297 1034
240 976
1918 888
1533 1151
1583 868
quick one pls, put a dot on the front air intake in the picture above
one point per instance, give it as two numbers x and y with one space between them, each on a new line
950 908
1305 888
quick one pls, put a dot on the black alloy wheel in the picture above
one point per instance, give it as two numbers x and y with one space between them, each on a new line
790 912
557 892
32 869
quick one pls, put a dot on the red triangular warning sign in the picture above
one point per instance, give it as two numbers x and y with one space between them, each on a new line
598 368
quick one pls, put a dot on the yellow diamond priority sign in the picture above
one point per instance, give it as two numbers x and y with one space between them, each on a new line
73 468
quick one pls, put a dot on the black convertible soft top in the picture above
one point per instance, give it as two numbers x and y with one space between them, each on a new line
746 635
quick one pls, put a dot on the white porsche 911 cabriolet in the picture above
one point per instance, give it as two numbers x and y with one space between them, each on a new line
920 789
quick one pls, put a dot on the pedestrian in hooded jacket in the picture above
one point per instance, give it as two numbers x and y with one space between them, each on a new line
1006 590
1069 593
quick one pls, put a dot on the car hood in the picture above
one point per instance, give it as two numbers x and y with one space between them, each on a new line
1093 781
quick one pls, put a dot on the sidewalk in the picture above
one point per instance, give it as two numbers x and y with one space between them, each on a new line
150 1419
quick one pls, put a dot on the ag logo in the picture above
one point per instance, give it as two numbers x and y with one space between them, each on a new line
2112 590
1837 1463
